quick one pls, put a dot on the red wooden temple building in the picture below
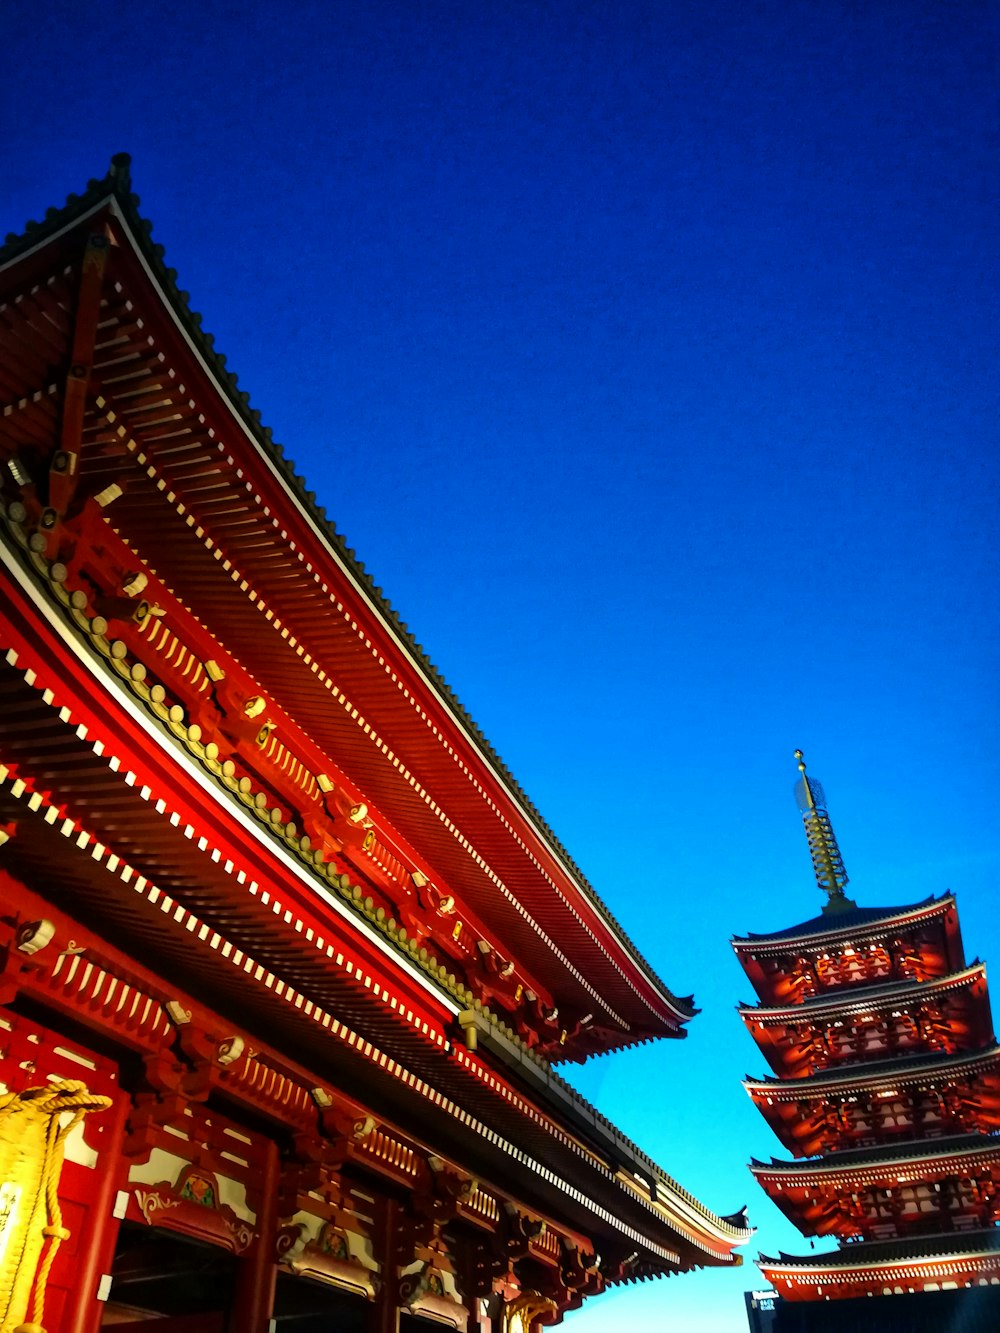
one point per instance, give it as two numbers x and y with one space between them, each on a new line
886 1092
275 921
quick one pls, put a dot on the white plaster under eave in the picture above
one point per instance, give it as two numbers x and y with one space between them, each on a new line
75 1147
158 1166
161 1166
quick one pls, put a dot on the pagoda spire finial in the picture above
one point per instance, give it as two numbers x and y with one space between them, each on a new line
828 864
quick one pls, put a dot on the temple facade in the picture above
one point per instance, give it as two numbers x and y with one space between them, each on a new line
287 958
885 1090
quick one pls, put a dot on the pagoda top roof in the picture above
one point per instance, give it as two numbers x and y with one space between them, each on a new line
876 1154
877 1252
114 191
844 924
900 1069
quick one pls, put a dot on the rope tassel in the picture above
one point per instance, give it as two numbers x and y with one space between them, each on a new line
32 1142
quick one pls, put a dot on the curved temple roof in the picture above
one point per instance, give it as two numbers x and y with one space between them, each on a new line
854 921
659 1012
192 851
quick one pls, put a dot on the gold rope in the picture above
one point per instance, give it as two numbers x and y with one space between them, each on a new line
32 1143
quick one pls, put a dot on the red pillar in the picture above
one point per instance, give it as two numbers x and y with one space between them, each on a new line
253 1301
94 1258
385 1312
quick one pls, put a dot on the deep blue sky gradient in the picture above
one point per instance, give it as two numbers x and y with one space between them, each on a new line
647 355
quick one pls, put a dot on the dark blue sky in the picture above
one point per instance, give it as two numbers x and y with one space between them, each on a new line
647 355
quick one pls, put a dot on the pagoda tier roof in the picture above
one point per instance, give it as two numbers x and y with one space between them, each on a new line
861 999
855 1163
828 923
855 922
234 526
839 927
878 1253
900 1071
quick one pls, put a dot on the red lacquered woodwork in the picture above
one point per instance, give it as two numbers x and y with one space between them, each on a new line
263 880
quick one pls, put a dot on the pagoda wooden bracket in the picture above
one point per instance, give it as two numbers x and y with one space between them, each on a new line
342 1122
173 1086
445 1192
580 1273
425 1282
561 1282
208 1062
21 941
151 1113
481 1264
491 979
522 1231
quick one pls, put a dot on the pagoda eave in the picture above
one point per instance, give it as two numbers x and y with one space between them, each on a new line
950 1013
826 1197
863 924
874 1268
877 1165
874 999
983 1065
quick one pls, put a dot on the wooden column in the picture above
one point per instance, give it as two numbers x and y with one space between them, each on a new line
384 1316
95 1256
253 1301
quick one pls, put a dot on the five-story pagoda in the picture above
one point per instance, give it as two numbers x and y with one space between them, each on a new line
885 1090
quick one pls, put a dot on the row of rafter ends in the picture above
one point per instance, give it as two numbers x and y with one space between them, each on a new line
117 184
